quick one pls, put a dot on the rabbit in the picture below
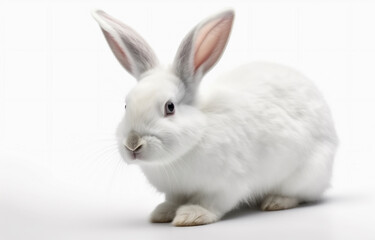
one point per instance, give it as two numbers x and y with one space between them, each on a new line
261 133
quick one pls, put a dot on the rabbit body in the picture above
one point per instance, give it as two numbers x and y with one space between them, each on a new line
261 132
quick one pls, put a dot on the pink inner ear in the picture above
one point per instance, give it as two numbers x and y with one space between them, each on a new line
114 45
118 51
211 41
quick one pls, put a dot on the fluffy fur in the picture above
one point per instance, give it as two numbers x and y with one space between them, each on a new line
262 131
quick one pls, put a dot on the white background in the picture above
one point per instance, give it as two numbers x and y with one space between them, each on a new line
62 94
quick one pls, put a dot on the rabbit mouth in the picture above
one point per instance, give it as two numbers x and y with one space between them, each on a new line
135 156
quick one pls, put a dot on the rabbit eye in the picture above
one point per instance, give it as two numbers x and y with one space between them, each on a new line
125 106
169 108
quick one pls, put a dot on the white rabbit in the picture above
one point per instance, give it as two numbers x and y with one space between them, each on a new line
262 131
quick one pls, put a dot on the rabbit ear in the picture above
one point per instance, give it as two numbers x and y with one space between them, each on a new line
202 47
134 54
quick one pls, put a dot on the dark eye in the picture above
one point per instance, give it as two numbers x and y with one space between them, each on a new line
125 106
169 108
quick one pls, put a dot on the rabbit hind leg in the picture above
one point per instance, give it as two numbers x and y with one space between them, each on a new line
306 184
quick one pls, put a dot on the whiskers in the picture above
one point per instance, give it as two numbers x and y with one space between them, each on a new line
101 162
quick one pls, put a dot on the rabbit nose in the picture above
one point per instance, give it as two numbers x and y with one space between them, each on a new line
134 142
136 149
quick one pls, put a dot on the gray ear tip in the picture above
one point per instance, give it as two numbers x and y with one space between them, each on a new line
96 13
229 13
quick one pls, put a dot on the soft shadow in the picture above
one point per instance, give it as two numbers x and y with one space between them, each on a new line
335 199
245 211
241 212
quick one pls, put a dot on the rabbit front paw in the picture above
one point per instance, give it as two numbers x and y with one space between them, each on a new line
193 215
164 212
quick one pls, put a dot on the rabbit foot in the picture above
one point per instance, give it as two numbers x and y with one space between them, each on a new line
163 213
193 215
275 202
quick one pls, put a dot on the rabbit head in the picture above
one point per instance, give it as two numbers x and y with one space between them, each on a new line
162 121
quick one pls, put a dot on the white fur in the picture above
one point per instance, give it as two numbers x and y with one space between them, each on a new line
260 130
